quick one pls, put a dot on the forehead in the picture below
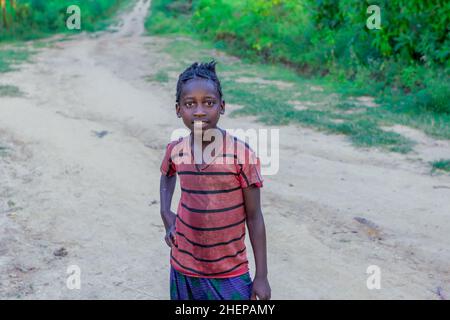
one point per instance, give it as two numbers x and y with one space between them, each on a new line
198 88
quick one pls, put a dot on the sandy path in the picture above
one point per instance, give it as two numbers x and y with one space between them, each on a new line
64 186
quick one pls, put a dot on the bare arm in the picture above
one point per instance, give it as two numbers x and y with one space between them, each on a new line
257 233
166 189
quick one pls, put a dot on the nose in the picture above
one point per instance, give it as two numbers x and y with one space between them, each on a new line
199 112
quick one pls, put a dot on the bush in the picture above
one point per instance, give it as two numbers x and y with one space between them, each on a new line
169 16
436 98
328 37
27 19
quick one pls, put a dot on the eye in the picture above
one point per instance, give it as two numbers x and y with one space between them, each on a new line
210 103
189 104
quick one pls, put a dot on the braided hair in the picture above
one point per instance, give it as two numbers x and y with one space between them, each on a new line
196 70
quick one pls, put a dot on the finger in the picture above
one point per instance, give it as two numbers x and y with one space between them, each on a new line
173 238
265 296
253 297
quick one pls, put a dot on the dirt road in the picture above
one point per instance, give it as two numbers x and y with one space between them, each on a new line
80 186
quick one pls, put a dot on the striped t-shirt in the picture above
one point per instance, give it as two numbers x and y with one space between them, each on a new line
210 224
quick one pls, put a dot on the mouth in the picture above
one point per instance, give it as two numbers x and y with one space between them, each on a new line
200 122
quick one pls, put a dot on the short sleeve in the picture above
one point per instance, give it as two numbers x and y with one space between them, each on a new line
250 171
168 168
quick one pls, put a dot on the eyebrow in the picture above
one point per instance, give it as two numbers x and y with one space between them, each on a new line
193 98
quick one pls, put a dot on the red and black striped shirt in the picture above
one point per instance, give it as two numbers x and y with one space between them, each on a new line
210 224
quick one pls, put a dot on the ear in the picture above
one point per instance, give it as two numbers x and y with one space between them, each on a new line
222 107
177 110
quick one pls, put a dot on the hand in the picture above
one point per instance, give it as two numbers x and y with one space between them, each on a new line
169 218
261 289
171 236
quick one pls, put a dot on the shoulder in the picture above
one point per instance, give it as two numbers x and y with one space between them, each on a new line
173 148
175 142
172 144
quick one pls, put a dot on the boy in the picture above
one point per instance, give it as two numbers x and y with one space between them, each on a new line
219 195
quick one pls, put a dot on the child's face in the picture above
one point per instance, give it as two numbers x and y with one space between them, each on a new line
200 101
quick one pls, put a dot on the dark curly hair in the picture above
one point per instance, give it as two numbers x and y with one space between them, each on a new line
199 70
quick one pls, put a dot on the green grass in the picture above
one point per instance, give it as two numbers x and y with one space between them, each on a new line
271 105
442 165
332 109
176 20
345 106
10 58
10 91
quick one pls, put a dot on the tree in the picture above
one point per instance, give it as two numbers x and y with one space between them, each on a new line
12 4
5 20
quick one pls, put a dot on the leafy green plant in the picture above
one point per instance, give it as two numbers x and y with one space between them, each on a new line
443 165
407 60
29 19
